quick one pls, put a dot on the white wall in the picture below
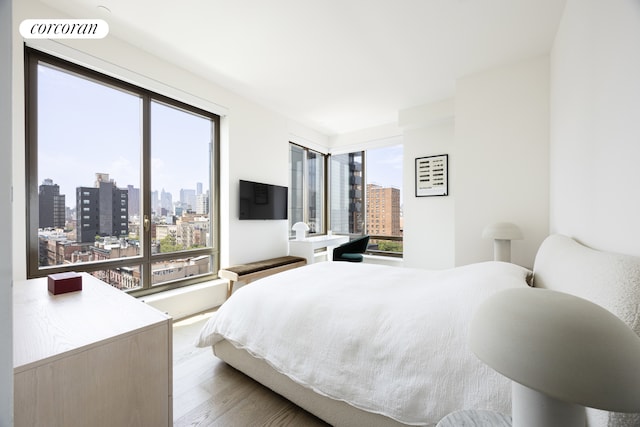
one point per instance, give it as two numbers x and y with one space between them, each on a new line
595 125
502 158
429 226
6 282
254 142
496 132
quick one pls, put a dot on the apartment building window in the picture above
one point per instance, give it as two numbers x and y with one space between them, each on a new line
365 197
124 153
307 188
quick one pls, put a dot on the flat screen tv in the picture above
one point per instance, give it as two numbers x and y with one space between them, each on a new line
262 201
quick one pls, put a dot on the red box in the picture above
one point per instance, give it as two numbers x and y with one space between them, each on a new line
61 283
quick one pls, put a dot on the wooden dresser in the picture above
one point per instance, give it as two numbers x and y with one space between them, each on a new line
96 357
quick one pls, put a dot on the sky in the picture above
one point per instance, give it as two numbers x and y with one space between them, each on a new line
384 166
85 128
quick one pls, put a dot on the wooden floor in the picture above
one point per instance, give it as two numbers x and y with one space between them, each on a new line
208 392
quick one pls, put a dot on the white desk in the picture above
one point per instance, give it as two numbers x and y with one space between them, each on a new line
306 248
95 357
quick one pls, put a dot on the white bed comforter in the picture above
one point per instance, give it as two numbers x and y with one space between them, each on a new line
387 340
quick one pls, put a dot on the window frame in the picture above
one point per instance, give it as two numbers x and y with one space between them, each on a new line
367 222
362 184
305 185
145 260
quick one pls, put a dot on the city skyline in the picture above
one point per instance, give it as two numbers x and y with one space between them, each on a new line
51 181
85 127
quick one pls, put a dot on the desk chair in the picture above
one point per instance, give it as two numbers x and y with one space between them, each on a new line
351 251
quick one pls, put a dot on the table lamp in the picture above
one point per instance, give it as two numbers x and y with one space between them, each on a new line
502 234
562 352
300 228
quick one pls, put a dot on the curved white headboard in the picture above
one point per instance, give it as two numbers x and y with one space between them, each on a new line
608 279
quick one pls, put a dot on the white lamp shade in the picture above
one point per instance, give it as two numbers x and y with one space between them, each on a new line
561 345
502 231
300 226
502 234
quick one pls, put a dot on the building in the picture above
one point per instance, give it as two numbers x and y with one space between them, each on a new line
51 205
134 201
102 210
202 203
188 198
166 203
155 202
178 269
192 230
383 211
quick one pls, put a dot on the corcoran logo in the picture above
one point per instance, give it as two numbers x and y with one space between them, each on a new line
64 28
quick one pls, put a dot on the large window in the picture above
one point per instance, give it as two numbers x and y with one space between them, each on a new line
365 197
121 180
307 184
383 211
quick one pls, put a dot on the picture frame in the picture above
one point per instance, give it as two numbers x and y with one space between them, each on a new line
432 176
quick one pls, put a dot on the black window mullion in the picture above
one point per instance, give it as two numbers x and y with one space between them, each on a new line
325 196
214 196
365 196
31 158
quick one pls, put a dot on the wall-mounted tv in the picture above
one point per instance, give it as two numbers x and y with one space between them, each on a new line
262 201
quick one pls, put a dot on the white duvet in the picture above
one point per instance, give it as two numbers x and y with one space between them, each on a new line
386 340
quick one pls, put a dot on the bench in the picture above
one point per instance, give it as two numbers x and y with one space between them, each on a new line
259 269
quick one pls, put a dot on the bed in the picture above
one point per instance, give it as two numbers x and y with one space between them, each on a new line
372 345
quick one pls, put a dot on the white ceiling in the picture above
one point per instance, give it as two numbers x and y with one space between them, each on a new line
335 65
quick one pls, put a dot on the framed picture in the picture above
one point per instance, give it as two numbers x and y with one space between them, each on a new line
432 176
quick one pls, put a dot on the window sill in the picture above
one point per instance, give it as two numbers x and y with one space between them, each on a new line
371 259
189 300
384 260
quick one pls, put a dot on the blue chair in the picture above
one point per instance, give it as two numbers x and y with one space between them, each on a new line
351 251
